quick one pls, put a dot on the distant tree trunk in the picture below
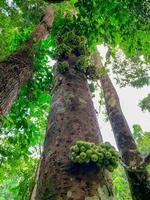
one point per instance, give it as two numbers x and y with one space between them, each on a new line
136 172
33 190
17 68
72 117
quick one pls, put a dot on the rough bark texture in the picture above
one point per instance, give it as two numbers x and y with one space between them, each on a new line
72 118
147 159
17 68
137 175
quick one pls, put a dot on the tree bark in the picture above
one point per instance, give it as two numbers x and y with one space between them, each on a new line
33 193
72 117
137 174
17 68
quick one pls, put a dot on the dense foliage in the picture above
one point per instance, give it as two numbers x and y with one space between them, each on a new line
23 130
117 24
145 103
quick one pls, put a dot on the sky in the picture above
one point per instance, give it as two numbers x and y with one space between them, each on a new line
129 99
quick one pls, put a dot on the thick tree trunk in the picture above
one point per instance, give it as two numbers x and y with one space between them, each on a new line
17 68
137 174
72 118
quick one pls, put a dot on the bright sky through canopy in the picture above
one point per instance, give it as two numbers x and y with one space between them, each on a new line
129 99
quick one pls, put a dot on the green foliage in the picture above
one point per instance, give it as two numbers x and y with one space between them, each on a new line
145 103
102 107
104 155
55 1
17 20
92 87
115 23
133 72
119 178
142 138
24 127
62 66
120 183
84 64
17 179
67 42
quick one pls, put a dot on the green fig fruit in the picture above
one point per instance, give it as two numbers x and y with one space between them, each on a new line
83 155
110 168
94 157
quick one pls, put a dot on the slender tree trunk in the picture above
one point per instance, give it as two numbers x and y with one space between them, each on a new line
137 174
72 117
33 193
17 68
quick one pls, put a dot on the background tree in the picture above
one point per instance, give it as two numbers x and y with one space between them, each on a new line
136 172
129 71
119 178
145 103
18 68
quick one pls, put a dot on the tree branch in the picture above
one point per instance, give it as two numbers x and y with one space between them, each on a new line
17 68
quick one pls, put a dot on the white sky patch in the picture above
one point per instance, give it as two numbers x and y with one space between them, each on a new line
9 2
129 99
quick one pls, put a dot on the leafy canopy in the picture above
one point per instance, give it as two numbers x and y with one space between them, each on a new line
145 103
121 23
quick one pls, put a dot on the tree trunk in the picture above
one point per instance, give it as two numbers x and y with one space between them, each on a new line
17 68
137 174
72 118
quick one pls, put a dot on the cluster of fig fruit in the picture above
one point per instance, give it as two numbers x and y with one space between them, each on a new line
70 43
104 155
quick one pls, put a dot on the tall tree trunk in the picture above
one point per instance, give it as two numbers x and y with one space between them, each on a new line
17 68
136 172
72 117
